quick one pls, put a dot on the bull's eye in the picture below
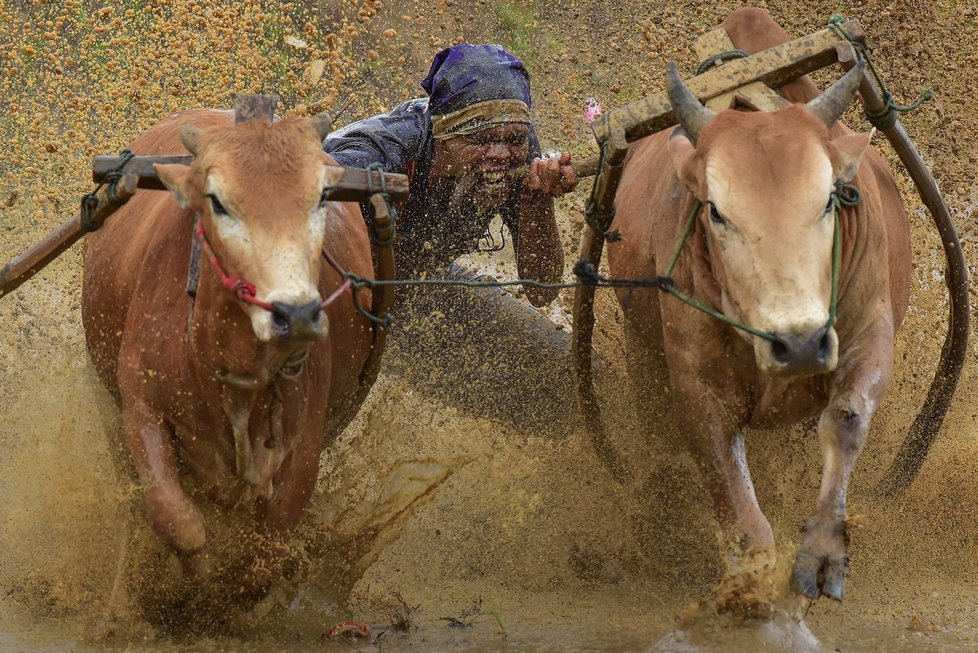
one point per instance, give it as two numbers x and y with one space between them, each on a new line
715 216
216 205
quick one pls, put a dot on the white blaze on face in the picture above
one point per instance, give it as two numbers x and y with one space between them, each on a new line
773 243
282 263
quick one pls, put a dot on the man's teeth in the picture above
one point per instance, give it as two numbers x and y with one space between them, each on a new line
495 176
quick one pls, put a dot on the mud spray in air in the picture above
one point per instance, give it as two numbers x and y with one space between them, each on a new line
479 522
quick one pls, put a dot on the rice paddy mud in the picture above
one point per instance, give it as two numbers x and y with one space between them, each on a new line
516 539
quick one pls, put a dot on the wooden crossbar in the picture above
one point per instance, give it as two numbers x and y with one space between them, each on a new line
348 184
774 67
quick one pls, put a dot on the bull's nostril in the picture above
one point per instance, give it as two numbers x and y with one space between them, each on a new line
823 348
780 351
281 322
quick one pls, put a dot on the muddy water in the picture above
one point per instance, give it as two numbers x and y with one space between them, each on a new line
517 535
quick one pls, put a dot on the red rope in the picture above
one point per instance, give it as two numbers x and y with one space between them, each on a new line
347 283
350 629
245 291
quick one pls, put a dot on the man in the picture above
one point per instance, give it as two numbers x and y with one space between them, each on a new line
460 147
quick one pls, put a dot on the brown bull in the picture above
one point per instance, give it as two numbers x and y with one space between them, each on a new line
761 252
229 396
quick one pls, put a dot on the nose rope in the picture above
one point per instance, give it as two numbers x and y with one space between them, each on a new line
242 289
345 286
246 291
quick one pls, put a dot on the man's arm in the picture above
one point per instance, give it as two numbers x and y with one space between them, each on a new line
391 140
539 252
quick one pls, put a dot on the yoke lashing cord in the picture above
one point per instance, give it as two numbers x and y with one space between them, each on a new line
886 118
844 195
89 201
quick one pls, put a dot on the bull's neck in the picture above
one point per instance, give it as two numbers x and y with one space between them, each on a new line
223 349
854 234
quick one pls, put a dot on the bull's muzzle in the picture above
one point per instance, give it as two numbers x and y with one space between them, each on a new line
298 323
794 355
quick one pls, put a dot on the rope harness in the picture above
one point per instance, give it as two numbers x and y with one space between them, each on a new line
845 195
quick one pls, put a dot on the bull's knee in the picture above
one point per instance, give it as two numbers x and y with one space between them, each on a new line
848 426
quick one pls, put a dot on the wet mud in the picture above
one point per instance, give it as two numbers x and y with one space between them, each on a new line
456 513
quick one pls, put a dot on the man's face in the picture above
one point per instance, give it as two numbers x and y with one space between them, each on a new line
481 160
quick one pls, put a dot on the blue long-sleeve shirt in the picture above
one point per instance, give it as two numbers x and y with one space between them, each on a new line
401 142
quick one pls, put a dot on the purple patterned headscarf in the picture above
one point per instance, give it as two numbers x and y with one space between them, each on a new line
465 74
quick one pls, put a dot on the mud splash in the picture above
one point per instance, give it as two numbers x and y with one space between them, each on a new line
528 528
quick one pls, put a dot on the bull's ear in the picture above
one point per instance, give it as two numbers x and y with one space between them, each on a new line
687 165
179 181
846 153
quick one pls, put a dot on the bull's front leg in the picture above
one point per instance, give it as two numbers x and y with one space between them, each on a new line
172 514
714 421
858 387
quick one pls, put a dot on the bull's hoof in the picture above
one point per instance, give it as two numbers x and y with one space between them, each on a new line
748 589
821 566
816 578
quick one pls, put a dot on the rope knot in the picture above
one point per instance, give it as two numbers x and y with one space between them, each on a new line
241 287
848 194
585 271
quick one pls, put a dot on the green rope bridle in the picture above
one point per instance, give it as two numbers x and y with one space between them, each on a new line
844 195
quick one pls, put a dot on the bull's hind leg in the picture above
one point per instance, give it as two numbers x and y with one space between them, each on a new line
822 562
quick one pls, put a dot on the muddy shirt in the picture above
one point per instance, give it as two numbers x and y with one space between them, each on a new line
429 236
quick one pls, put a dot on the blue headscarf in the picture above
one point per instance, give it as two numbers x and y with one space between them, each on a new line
464 74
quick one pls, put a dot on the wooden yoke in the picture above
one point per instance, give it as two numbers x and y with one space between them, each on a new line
351 185
109 198
758 94
122 175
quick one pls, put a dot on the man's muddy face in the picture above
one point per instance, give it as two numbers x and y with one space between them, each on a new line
479 162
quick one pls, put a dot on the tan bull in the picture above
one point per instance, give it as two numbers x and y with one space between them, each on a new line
761 252
231 395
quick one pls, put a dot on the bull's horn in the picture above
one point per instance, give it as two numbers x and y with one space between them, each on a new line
830 105
690 112
190 137
322 123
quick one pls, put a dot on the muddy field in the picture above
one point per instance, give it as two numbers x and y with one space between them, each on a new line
517 538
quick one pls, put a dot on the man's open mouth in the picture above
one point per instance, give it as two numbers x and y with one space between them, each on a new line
494 177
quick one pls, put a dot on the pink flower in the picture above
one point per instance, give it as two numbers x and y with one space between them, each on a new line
593 110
